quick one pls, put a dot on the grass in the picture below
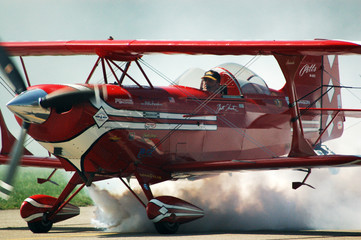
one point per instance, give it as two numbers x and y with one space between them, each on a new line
25 185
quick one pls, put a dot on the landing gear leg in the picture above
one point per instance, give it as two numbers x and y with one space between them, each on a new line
166 212
164 227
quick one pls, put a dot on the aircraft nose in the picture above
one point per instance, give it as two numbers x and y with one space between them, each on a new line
27 106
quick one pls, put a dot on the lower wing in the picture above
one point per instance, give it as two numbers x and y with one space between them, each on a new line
33 161
195 168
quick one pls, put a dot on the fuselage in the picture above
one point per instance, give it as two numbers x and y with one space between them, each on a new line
114 129
161 125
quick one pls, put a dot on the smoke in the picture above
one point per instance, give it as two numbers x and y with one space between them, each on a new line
242 202
248 201
245 201
118 212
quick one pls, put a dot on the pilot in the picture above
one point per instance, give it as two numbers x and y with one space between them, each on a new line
211 81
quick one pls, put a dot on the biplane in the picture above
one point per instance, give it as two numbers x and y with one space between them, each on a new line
155 134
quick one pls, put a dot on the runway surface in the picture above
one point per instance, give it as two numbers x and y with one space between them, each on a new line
12 226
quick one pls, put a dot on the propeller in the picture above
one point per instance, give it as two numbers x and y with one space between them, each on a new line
15 158
17 84
64 97
32 106
13 76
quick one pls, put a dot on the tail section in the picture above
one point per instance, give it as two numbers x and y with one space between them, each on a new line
317 84
331 99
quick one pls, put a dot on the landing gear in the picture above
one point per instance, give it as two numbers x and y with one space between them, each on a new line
41 211
166 227
42 226
166 212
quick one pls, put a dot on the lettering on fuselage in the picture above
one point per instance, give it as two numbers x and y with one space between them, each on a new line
308 69
100 117
150 136
151 114
305 102
151 103
150 175
124 101
228 107
149 126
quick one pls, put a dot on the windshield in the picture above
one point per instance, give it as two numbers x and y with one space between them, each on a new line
190 78
239 79
249 82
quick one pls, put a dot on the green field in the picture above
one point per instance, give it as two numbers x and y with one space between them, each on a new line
25 185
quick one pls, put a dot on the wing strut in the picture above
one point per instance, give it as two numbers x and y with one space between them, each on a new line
93 70
289 66
326 128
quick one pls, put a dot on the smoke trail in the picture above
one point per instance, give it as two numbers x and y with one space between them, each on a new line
118 212
230 203
246 201
241 202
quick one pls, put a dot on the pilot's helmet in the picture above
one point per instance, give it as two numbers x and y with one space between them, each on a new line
213 75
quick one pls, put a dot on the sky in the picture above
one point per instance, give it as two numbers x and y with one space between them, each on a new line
160 19
36 20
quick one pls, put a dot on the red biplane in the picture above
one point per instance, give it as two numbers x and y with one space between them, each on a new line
155 134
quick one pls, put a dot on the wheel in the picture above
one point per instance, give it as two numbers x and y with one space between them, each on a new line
166 227
40 226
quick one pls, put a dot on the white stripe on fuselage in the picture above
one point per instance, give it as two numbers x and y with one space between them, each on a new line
140 114
150 114
74 148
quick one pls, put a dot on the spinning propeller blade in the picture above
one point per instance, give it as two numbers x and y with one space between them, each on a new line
15 80
61 98
15 157
18 86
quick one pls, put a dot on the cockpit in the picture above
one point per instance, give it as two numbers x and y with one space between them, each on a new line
238 80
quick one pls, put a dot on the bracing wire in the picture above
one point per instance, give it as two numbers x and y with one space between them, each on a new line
348 89
342 86
203 104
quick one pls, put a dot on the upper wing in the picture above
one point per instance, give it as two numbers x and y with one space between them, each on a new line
116 48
